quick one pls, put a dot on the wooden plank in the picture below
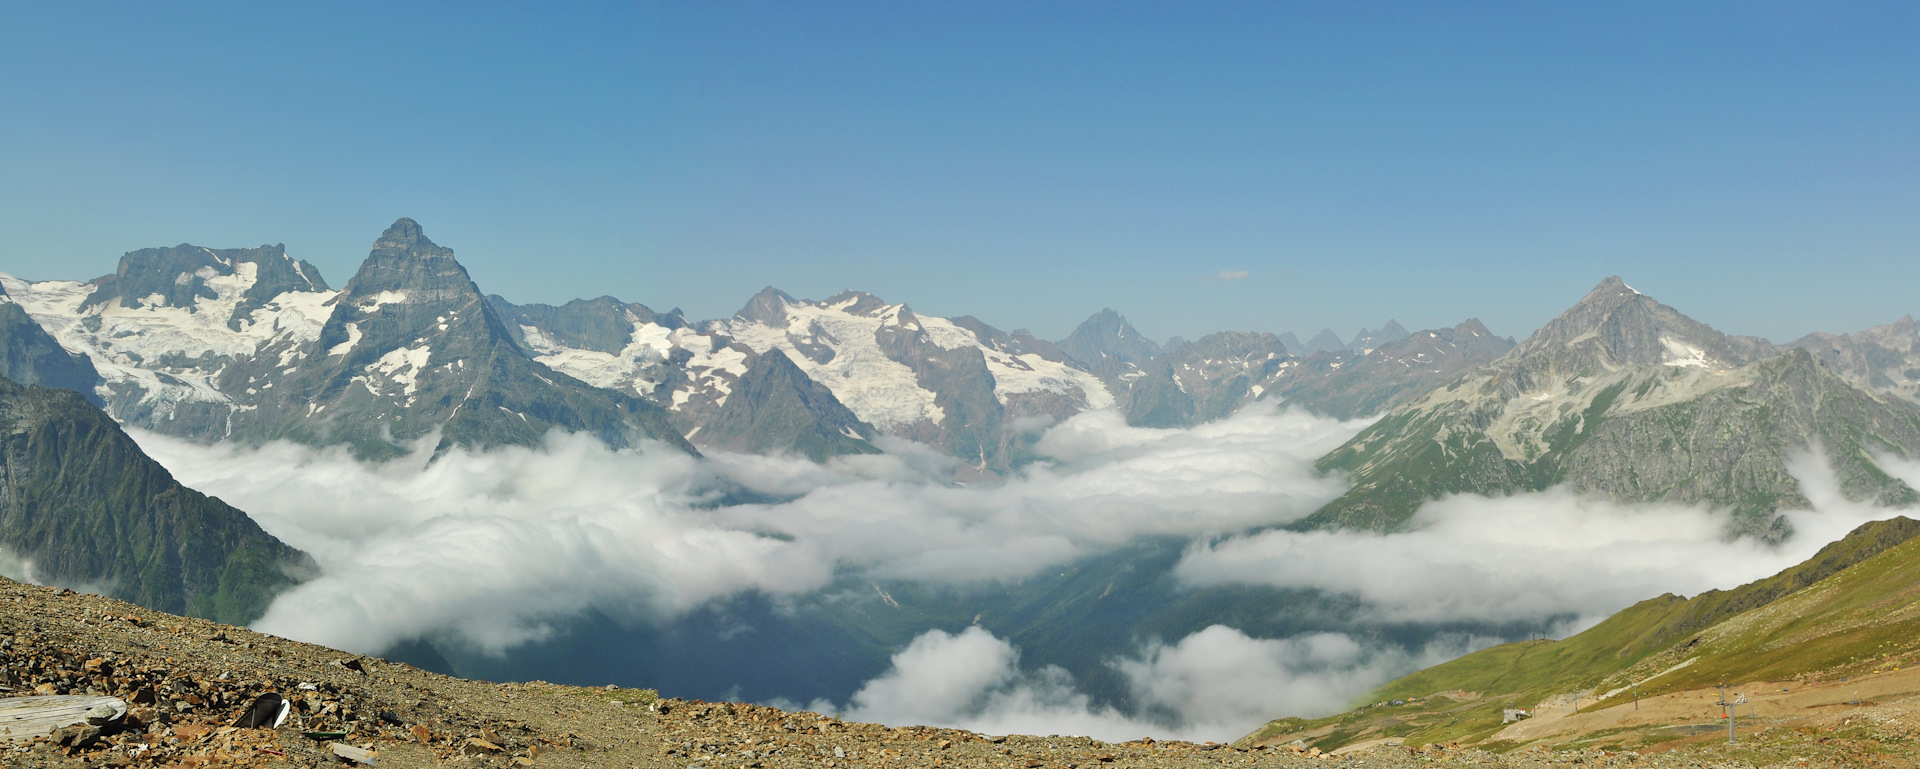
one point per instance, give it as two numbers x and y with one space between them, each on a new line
351 753
26 717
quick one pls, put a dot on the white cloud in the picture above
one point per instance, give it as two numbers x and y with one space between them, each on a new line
1526 556
494 545
1216 684
1229 275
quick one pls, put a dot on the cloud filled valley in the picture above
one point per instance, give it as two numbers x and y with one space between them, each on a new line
497 552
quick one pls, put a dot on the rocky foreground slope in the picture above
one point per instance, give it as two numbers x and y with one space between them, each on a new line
187 680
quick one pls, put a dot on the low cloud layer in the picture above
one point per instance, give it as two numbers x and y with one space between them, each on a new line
494 548
495 545
1471 557
1216 684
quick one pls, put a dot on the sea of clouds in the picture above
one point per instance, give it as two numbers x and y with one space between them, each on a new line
498 547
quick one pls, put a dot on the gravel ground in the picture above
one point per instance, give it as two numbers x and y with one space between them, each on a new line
188 680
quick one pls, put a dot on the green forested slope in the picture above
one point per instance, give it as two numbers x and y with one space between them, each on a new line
83 505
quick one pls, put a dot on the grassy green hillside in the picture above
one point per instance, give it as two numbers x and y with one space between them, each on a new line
1853 605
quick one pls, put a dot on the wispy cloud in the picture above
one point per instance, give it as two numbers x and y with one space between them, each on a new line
1228 275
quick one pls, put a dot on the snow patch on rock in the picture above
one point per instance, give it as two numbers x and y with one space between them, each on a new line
171 353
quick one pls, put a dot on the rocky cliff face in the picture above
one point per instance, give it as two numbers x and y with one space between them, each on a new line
29 355
1883 358
1106 339
721 393
169 321
81 504
250 344
1203 380
412 349
775 409
1623 396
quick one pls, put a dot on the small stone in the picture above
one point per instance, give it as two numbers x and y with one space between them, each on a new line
77 736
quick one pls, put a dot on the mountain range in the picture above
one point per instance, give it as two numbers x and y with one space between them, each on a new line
252 345
1625 397
1620 396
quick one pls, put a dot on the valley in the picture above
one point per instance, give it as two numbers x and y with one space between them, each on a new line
780 505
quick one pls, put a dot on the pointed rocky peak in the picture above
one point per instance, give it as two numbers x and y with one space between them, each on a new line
409 294
1473 327
1293 343
1107 334
1615 325
1901 334
767 308
1174 343
404 260
1325 341
406 235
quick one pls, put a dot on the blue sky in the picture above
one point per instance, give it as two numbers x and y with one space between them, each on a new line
1753 164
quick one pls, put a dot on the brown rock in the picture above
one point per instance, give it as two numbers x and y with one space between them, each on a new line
77 736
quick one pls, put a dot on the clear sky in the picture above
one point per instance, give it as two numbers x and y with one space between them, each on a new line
1756 165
